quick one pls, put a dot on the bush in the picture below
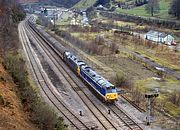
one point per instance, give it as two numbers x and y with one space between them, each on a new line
2 102
46 118
42 115
138 96
60 125
2 79
174 97
120 78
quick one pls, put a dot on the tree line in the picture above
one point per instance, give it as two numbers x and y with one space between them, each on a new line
10 14
143 20
153 7
175 8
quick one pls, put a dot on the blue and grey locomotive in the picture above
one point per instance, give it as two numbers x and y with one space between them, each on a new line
103 87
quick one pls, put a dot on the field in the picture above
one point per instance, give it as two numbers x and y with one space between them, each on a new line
83 4
140 11
123 65
125 71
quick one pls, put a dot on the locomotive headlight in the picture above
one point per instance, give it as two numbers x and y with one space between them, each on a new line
107 96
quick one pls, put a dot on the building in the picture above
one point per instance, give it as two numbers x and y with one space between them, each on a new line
85 20
159 37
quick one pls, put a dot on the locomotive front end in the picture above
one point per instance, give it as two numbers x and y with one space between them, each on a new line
110 97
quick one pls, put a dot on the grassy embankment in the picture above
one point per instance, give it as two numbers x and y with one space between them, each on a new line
18 93
12 115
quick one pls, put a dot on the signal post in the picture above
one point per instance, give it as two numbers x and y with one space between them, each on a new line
150 97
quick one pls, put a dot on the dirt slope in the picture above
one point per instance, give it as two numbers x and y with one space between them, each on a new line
12 116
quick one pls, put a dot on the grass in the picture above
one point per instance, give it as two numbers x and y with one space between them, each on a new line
161 61
165 88
118 23
172 109
157 56
86 36
84 4
63 22
140 11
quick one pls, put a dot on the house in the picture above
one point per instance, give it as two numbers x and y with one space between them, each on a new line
159 37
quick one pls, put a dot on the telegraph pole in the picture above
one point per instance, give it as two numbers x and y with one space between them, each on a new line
54 19
150 97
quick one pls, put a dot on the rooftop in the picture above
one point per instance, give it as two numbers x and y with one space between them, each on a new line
155 33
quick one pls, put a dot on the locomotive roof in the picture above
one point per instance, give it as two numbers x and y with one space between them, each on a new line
75 59
99 79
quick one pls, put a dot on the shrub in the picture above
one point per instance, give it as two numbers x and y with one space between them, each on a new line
174 97
2 79
2 102
42 115
137 95
120 78
46 118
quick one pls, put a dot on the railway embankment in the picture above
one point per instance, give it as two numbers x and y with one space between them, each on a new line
39 112
12 114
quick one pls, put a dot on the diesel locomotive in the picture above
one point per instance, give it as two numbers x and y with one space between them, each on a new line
104 88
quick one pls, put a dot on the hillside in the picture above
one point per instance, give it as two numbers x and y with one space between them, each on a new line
65 3
27 1
140 11
83 4
12 116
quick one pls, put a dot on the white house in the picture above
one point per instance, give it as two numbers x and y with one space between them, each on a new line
160 37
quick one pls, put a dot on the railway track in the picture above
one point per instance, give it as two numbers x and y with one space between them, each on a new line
102 118
133 104
75 121
130 123
119 113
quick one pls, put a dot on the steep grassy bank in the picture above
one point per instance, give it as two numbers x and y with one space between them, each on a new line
21 107
12 115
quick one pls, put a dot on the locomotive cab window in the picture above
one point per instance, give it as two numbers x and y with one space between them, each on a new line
108 89
88 70
93 75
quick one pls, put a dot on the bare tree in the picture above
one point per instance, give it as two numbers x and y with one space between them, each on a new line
175 8
152 7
